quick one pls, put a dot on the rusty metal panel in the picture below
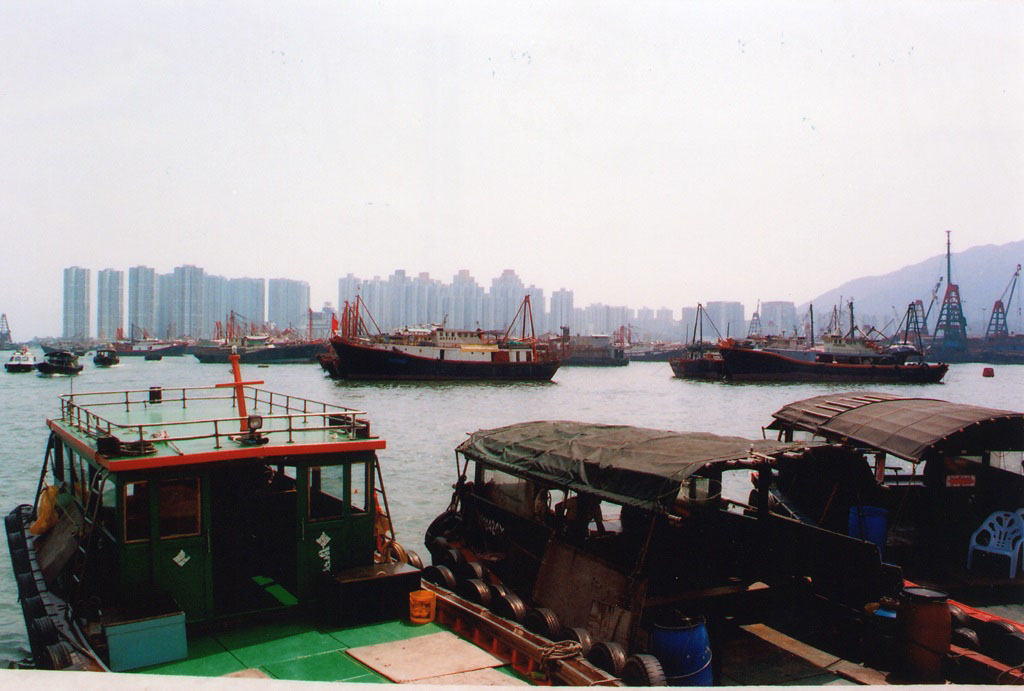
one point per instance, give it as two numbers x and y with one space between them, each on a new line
585 591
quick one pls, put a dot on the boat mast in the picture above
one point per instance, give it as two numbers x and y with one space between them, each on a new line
812 324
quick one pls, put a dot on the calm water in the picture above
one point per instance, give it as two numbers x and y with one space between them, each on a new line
423 422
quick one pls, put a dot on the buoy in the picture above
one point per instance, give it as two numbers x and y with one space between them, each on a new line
988 372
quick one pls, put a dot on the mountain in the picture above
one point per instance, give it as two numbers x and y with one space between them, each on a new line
983 273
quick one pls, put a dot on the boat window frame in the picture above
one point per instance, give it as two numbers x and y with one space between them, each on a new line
144 512
165 482
314 484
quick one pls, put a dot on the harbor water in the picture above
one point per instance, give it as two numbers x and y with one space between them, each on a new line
423 422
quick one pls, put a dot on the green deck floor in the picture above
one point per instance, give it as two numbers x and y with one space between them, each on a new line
289 651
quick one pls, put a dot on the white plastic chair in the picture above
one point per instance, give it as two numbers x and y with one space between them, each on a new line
1003 532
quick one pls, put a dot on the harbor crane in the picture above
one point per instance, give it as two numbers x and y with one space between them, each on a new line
927 313
997 322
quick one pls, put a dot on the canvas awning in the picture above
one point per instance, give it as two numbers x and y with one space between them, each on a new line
627 465
911 428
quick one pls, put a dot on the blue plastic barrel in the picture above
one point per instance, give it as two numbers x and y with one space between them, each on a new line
684 651
869 523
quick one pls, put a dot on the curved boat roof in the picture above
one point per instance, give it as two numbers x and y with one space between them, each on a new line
914 429
628 465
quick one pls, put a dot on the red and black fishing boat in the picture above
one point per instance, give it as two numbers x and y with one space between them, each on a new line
436 352
849 360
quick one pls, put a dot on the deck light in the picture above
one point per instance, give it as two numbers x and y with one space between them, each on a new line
255 422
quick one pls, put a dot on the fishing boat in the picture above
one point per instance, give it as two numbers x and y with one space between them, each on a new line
436 352
105 357
262 350
836 359
60 362
921 478
699 359
149 346
595 351
620 538
229 529
21 360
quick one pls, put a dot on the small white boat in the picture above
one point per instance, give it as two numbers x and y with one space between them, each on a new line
22 360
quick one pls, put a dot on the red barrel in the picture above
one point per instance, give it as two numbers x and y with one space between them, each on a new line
925 631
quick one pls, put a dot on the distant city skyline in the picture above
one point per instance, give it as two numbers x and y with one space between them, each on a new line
188 302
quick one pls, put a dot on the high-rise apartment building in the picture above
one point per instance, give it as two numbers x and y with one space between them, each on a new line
247 299
142 295
288 303
76 303
109 304
187 302
728 318
561 311
507 293
778 318
215 303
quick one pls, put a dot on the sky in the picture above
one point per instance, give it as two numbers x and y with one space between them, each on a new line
639 153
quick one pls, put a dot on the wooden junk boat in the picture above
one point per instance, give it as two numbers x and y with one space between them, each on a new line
921 478
619 538
105 357
60 362
439 353
229 529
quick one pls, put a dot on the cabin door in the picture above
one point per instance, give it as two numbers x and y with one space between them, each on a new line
180 554
338 528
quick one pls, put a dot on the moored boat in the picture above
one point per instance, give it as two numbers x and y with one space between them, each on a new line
621 537
143 347
105 357
230 529
440 353
60 362
698 361
21 360
263 351
847 360
595 351
921 479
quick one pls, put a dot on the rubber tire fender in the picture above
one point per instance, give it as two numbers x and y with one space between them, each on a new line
579 634
609 656
440 575
543 622
510 606
643 670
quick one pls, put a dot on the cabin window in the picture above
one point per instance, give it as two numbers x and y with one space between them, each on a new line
136 511
508 491
529 357
179 507
360 496
326 490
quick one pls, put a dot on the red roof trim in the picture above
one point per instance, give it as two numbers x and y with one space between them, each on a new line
150 463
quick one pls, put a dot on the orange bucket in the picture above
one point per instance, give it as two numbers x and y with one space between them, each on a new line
422 606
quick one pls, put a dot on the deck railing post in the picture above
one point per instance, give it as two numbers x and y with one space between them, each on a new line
216 435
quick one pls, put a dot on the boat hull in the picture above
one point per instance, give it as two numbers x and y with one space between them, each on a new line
361 362
141 351
697 368
280 354
19 367
745 364
50 368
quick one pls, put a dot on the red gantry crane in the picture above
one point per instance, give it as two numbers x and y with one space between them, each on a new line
997 322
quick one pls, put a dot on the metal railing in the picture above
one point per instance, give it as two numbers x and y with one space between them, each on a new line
295 415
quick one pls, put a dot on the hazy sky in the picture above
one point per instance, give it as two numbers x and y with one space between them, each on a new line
639 153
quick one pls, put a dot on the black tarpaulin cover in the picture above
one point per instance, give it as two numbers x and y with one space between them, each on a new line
910 428
628 465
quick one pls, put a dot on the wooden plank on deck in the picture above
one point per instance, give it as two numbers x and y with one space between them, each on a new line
423 657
